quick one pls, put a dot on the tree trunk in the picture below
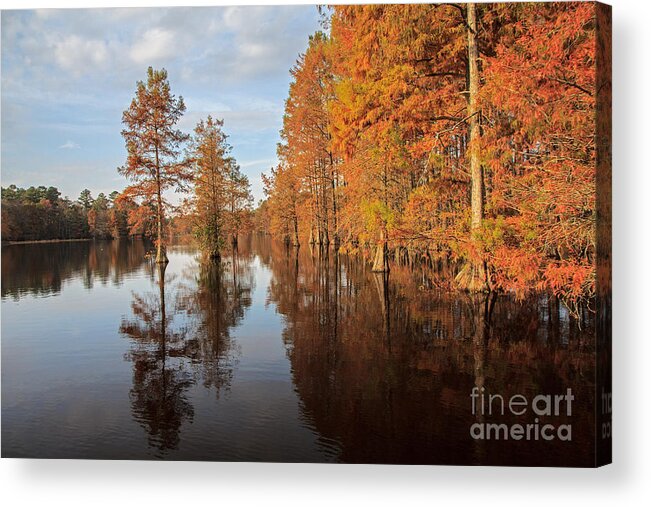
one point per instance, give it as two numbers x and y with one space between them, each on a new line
325 236
473 275
335 226
476 172
161 253
296 241
215 253
381 261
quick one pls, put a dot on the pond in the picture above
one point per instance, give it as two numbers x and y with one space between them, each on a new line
277 355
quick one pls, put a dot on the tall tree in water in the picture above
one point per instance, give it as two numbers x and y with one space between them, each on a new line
398 119
222 198
473 276
237 218
212 171
458 132
306 139
539 149
153 148
282 187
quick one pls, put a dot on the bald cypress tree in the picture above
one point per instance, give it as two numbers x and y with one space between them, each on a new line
154 146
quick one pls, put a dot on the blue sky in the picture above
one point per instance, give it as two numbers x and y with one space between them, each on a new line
68 74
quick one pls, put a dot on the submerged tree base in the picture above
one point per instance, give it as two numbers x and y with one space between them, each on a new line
472 278
161 256
381 261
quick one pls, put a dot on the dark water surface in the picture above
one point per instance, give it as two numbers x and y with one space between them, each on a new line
274 356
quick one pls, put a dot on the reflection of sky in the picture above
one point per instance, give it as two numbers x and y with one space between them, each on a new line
66 384
67 75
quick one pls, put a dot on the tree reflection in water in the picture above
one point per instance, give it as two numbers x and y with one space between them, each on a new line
384 365
161 377
380 367
181 336
50 265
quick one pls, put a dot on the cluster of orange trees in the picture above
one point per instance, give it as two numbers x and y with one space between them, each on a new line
458 131
162 158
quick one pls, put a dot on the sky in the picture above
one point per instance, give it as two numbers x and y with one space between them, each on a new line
68 74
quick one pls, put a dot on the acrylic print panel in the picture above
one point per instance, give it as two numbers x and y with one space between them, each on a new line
355 234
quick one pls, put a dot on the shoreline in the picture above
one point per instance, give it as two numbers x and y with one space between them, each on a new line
36 241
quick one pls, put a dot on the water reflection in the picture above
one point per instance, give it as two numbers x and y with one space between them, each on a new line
385 367
161 377
180 334
329 361
41 269
217 306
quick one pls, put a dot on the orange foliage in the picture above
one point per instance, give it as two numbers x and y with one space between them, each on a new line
153 147
375 139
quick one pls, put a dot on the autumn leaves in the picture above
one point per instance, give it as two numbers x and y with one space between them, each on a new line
222 200
463 132
159 159
456 131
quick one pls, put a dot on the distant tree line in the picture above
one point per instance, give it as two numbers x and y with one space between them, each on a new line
40 213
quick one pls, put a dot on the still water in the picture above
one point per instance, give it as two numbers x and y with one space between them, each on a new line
273 355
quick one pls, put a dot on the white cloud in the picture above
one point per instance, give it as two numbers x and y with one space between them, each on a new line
69 74
154 45
78 54
265 162
252 42
237 121
69 145
44 13
206 104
